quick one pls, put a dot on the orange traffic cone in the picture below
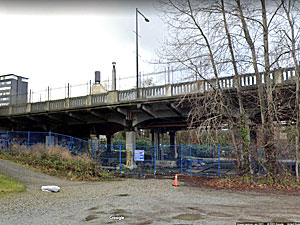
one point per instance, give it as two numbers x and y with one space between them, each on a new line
175 181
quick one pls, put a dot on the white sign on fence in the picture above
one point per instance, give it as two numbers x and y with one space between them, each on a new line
139 155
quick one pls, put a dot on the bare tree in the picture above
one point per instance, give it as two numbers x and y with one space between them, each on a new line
222 34
291 35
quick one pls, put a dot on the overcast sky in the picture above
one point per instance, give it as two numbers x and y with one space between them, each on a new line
53 42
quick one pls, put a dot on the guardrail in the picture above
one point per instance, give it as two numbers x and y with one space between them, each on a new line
78 101
99 98
278 76
38 107
58 104
17 109
127 95
154 92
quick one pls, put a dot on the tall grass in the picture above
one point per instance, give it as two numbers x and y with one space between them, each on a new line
56 161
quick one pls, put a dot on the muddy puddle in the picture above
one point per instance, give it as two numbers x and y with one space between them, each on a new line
188 216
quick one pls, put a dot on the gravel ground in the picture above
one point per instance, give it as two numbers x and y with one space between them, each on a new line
136 201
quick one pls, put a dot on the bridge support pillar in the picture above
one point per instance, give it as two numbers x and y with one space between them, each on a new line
130 148
277 76
108 142
156 143
253 148
173 149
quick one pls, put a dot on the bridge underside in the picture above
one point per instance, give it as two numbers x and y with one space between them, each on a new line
103 120
165 114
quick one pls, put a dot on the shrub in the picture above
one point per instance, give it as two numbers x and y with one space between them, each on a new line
58 161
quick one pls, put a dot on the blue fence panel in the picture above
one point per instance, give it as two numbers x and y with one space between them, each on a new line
144 159
110 156
203 160
38 138
61 140
162 159
287 158
227 161
166 159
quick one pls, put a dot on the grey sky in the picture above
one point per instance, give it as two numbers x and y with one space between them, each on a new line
59 41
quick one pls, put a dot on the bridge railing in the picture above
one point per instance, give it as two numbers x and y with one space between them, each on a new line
127 95
99 98
57 104
279 76
78 101
38 107
154 92
288 75
19 109
4 110
185 88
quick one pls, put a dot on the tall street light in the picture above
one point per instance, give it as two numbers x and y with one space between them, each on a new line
137 49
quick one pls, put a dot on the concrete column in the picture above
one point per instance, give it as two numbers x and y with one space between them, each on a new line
162 149
67 105
130 148
277 76
173 143
168 90
156 142
28 108
253 149
47 106
89 99
200 86
108 142
94 144
113 96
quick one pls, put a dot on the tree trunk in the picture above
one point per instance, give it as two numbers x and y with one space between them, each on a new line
297 103
243 121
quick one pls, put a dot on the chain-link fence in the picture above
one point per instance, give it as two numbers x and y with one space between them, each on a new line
162 159
204 160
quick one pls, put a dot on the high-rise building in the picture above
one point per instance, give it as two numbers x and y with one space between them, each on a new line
13 89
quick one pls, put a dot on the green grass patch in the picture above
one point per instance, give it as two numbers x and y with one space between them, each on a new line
57 161
9 185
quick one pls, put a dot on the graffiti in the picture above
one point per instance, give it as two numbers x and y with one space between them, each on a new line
128 157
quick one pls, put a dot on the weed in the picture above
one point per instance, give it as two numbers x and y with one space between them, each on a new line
57 161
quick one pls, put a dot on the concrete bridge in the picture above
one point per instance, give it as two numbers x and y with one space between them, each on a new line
107 113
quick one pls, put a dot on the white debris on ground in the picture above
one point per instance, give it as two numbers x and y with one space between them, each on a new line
50 188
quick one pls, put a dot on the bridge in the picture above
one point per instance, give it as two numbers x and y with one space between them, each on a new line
107 113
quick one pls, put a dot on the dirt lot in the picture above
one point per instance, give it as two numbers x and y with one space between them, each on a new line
137 201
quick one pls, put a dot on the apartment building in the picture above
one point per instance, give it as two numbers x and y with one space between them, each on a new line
13 89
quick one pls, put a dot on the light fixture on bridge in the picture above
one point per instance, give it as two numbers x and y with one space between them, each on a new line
97 77
137 49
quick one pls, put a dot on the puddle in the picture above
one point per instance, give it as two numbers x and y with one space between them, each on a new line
231 206
122 195
247 221
196 209
217 214
90 217
188 217
281 220
148 222
118 212
94 208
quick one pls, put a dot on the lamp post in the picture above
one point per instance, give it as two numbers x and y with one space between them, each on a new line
137 49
